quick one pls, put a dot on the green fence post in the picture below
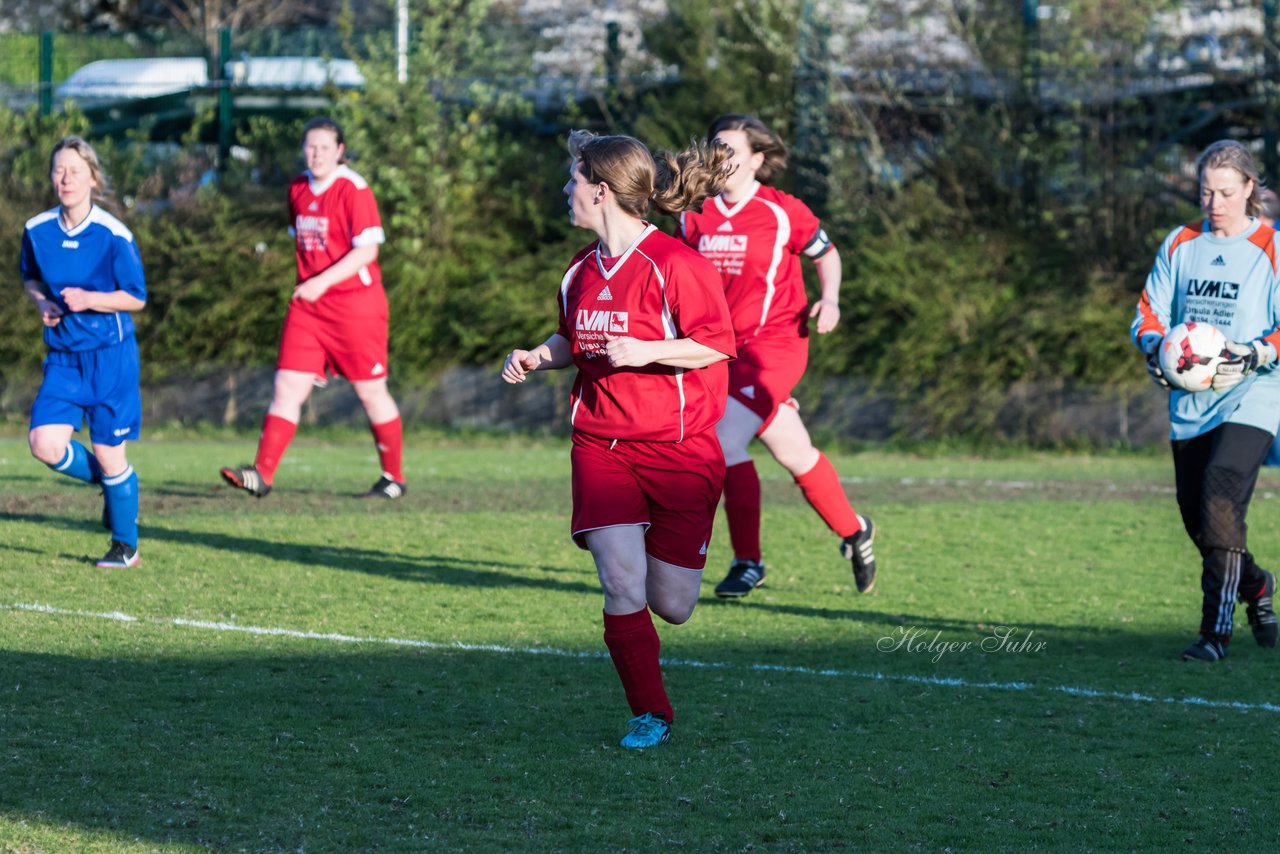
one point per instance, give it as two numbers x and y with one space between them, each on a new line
1270 89
1030 97
612 58
46 74
224 100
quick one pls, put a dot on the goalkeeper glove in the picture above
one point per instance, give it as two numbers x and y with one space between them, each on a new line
1243 360
1157 372
1150 344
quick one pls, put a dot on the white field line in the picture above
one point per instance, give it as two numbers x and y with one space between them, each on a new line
1007 485
874 676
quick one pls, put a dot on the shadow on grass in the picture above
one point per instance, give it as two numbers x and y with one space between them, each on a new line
269 750
428 569
364 752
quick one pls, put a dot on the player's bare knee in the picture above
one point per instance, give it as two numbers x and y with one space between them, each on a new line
48 450
291 388
672 612
616 579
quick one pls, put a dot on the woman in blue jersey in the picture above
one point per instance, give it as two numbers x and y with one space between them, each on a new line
1222 271
81 269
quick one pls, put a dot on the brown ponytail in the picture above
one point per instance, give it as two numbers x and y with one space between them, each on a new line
674 183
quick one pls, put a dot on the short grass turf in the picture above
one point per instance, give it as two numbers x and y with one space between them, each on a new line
312 672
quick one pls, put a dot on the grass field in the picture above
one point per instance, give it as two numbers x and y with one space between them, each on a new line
312 673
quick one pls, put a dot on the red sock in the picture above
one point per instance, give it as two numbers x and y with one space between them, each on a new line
742 509
634 647
388 437
277 433
821 487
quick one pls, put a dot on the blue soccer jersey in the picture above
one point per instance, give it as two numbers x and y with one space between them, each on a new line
99 254
1231 283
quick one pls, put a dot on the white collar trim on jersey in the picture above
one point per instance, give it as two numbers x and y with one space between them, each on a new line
622 259
729 212
318 187
79 226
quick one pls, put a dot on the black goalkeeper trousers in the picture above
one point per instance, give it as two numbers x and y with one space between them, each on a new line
1215 474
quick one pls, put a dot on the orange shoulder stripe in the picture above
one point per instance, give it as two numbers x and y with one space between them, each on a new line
1189 231
1265 239
1150 323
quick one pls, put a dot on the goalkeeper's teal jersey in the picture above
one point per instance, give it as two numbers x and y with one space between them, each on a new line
1231 283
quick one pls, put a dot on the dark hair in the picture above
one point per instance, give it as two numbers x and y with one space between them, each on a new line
1229 154
325 123
671 182
763 141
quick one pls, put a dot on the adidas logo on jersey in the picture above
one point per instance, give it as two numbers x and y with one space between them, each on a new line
703 550
377 369
1218 262
604 294
313 207
748 391
725 226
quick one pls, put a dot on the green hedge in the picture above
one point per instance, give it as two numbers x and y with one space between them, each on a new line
954 290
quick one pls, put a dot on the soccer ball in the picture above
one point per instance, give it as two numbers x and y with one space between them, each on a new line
1190 354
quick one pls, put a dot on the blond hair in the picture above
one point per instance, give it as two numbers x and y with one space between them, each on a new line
101 188
1229 154
671 182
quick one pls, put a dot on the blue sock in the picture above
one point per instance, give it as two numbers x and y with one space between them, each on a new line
79 463
121 495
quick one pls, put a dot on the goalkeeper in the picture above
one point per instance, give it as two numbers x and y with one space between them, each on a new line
1221 270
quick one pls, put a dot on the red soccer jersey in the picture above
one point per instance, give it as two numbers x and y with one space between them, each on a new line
657 290
756 246
327 220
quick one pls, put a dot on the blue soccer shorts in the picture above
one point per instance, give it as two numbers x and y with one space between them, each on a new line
98 385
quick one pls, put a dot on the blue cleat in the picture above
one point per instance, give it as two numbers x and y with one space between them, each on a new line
647 730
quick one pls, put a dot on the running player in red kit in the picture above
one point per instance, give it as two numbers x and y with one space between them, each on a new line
756 235
644 320
337 319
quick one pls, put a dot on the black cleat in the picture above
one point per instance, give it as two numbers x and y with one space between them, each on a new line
744 576
1205 649
120 556
1262 617
857 549
248 479
385 488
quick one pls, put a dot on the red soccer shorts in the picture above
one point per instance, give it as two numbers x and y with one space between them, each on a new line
765 373
344 333
672 488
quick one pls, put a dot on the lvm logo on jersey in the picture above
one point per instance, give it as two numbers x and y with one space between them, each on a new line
712 243
312 231
1207 288
600 320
